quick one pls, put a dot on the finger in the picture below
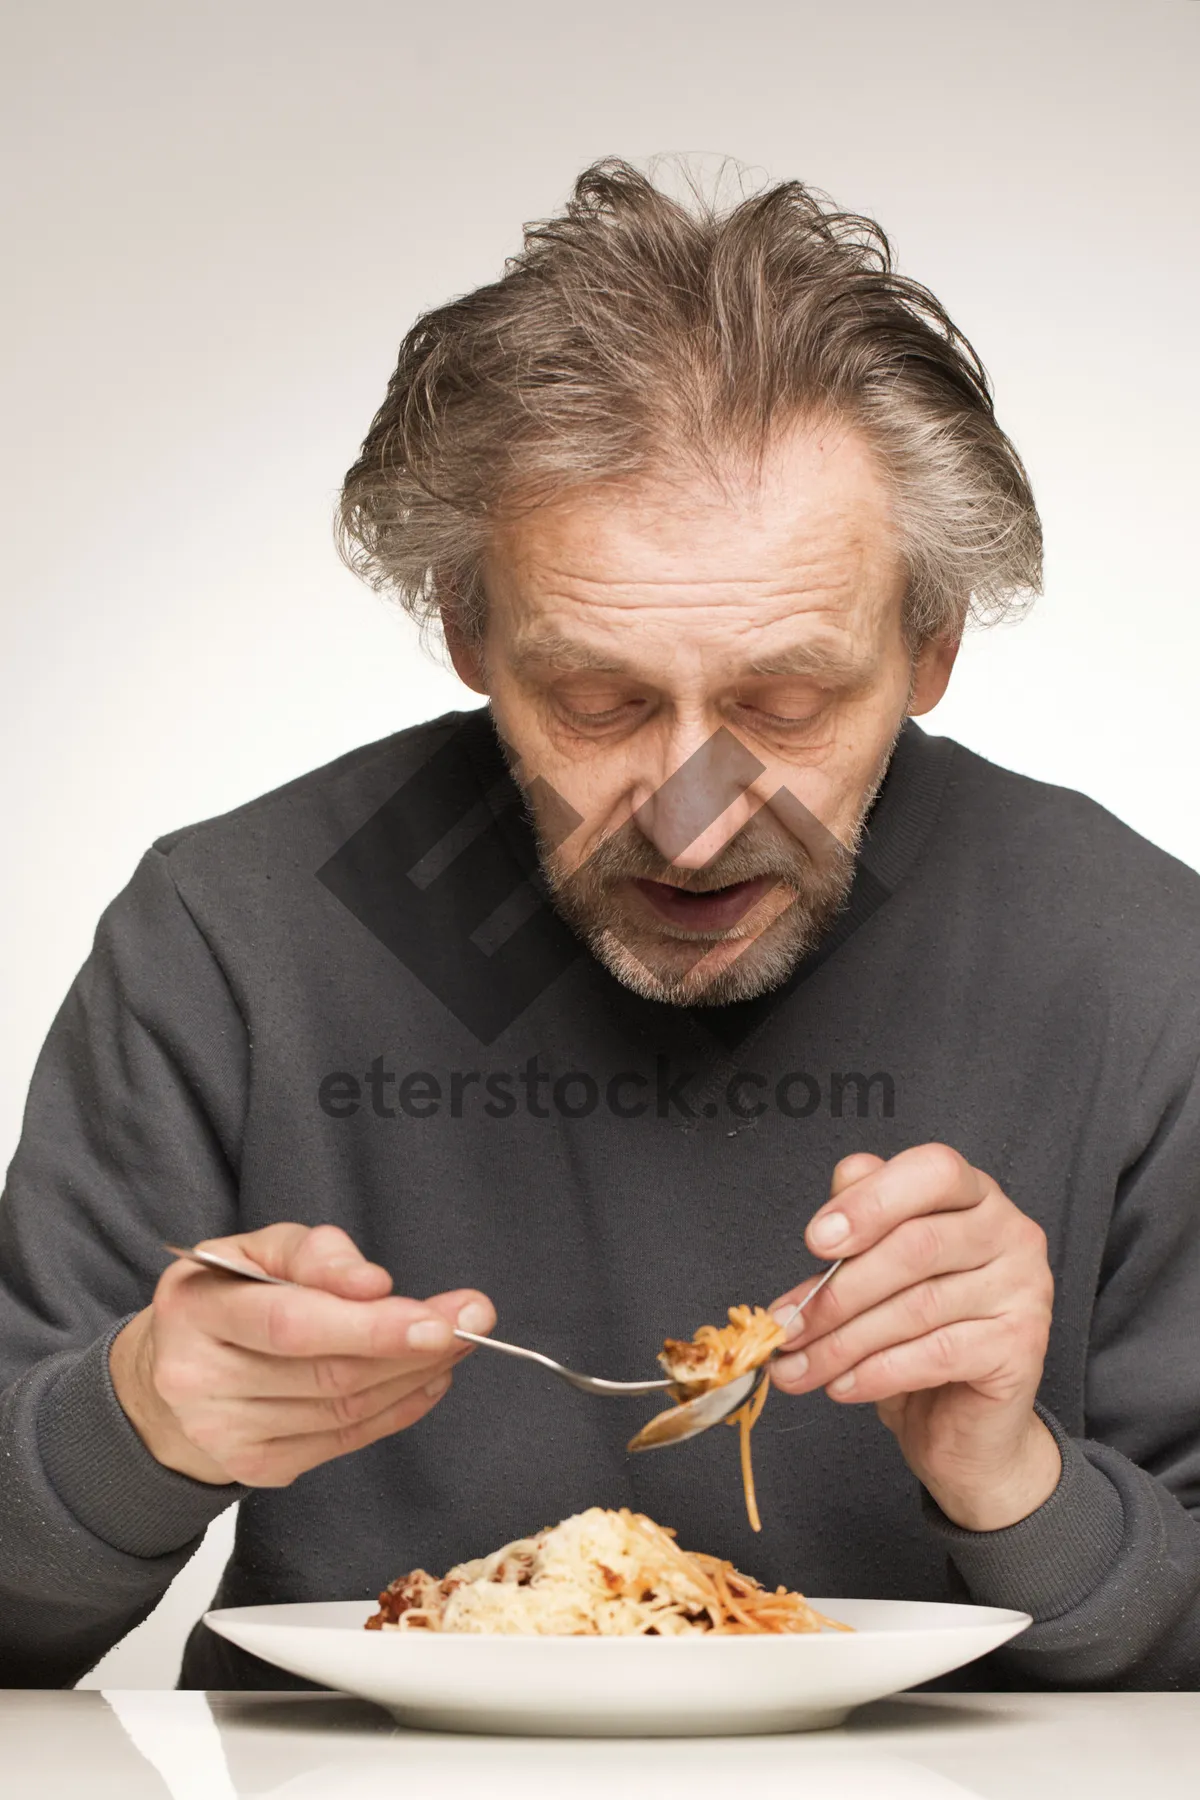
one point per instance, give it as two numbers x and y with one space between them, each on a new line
227 1372
466 1308
239 1424
852 1169
251 1373
978 1352
928 1178
310 1322
268 1249
322 1256
916 1250
221 1368
845 1174
327 1257
784 1314
278 1461
912 1313
318 1256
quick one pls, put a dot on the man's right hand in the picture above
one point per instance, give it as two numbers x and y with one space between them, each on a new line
227 1380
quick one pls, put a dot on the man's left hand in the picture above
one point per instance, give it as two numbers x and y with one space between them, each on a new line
941 1319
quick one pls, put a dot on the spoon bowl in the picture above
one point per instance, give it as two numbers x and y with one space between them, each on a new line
679 1423
694 1416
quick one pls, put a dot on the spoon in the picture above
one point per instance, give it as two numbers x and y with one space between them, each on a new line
588 1384
694 1416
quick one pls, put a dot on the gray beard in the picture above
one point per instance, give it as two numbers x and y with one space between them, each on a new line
661 961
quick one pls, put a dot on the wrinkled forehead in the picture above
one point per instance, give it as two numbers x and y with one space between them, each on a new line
803 547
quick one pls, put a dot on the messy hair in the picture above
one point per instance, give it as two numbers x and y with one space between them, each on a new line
636 331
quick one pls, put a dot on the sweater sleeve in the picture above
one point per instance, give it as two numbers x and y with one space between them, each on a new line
130 1139
1109 1566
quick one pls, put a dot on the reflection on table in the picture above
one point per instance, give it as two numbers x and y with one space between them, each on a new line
125 1745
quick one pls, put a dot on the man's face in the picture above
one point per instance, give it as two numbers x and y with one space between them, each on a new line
745 642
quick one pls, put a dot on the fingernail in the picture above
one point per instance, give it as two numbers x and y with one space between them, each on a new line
430 1334
437 1387
476 1317
842 1385
824 1233
792 1368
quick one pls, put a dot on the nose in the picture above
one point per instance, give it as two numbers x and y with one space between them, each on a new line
703 802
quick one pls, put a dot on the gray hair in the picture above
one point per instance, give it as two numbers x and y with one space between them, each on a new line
636 331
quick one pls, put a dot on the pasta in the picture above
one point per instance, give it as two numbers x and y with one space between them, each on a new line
597 1574
717 1355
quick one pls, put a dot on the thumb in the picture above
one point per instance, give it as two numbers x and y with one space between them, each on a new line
320 1256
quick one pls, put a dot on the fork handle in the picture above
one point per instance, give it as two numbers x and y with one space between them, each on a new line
588 1384
800 1305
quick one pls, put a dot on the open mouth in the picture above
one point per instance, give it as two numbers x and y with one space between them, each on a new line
716 909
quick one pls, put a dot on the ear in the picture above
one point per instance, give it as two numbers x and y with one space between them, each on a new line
931 672
465 653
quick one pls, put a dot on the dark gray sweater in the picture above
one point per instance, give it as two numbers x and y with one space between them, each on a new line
348 1001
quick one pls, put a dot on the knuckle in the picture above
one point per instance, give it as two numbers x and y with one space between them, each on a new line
379 1338
275 1236
328 1235
925 1304
943 1349
180 1379
256 1466
171 1292
324 1242
1031 1236
830 1306
209 1434
867 1209
941 1164
286 1325
334 1376
348 1410
352 1436
920 1244
184 1298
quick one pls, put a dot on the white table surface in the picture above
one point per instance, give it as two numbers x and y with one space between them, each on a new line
124 1744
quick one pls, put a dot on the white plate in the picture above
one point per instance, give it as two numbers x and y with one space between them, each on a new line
673 1687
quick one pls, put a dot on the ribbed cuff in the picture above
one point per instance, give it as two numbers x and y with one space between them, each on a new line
103 1473
1046 1564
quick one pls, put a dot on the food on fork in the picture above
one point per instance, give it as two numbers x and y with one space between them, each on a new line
597 1574
717 1355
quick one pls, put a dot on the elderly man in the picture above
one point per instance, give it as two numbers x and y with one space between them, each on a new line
686 964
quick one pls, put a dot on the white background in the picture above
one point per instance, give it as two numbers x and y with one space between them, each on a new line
224 217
